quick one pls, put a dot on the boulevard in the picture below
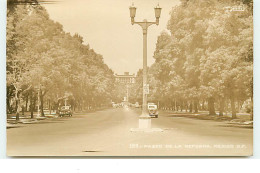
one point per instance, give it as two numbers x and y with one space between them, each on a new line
107 133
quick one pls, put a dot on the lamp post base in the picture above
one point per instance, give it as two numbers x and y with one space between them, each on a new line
144 122
145 125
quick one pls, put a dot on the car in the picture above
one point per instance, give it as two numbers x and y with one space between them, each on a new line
153 110
137 105
151 104
46 111
65 110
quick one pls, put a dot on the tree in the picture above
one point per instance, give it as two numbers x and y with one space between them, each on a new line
42 58
206 54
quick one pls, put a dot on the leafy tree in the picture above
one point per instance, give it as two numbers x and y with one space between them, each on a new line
44 60
206 55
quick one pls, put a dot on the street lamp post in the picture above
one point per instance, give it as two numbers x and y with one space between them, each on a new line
145 119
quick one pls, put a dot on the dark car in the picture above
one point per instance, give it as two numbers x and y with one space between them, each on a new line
153 111
65 110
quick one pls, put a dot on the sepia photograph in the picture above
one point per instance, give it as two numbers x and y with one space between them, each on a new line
129 78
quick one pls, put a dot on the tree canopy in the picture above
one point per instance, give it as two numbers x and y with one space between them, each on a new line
43 59
205 57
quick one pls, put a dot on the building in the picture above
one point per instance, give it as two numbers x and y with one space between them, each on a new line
126 78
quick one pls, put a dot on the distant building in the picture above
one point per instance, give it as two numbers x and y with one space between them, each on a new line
126 78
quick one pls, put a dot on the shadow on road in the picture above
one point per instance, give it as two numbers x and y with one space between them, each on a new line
91 151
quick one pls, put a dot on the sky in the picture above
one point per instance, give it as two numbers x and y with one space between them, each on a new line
106 26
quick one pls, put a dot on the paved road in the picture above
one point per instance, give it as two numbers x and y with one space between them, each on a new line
107 133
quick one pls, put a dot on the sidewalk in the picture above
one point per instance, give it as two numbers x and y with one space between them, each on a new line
26 118
11 121
242 120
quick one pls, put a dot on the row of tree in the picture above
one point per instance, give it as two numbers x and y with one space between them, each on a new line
47 66
205 58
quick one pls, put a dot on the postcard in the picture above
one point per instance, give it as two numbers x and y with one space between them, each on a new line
129 78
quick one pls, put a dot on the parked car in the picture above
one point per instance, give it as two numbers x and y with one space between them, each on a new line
65 110
153 110
46 111
151 104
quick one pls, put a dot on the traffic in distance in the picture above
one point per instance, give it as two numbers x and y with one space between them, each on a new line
67 110
151 107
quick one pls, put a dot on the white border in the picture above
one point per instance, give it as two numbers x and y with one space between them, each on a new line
256 80
2 79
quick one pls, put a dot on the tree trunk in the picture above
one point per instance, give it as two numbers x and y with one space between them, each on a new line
49 101
26 102
17 115
196 106
190 106
203 105
16 104
221 107
17 101
8 106
238 106
233 107
81 106
23 109
211 106
175 106
252 110
32 103
42 104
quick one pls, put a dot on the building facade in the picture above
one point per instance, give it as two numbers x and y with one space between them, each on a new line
126 78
